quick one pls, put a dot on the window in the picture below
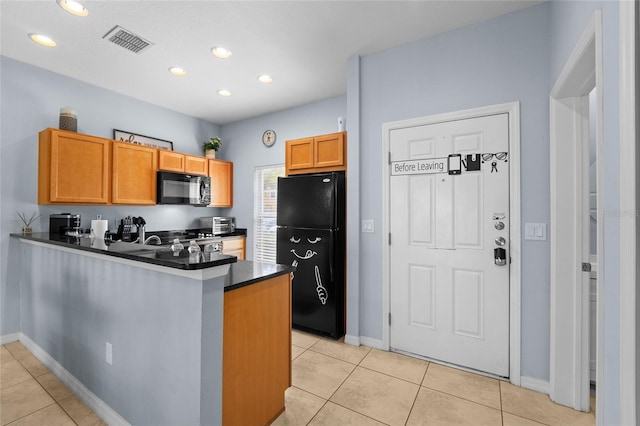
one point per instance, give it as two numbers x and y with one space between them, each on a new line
265 202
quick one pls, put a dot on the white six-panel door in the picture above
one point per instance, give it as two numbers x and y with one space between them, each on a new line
449 301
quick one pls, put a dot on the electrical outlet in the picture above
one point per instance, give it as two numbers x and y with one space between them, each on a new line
109 354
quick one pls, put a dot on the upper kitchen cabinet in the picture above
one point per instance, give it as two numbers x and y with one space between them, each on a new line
221 173
325 153
196 165
172 161
134 174
72 168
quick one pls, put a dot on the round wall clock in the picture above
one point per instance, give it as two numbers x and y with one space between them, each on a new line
269 138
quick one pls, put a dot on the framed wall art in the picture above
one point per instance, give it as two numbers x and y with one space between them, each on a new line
122 136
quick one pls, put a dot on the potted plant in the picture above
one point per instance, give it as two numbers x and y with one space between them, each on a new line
211 146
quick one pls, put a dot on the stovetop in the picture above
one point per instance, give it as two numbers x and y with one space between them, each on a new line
187 235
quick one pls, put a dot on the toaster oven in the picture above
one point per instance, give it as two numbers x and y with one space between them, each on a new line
218 225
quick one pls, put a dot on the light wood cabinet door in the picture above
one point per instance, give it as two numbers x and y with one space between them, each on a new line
196 165
328 150
235 247
72 168
256 352
299 154
324 153
134 174
171 161
221 173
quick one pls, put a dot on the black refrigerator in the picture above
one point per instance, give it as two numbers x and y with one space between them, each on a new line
311 237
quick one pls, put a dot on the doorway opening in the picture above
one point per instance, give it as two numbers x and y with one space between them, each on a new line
576 222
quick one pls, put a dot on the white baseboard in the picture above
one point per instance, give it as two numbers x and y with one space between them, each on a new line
371 342
537 385
8 338
106 413
352 340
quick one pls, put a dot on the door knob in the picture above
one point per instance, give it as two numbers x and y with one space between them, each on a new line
500 241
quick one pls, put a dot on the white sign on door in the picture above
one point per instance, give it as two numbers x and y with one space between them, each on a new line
419 167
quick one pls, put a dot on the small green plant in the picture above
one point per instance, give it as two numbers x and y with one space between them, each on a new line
213 143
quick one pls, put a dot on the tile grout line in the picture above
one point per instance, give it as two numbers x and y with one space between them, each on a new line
35 378
413 404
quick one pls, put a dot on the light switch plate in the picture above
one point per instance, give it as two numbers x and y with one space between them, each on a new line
367 225
535 231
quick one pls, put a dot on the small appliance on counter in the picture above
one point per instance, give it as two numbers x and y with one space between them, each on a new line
218 225
65 224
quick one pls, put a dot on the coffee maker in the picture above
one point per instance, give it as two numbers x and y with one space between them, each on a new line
64 224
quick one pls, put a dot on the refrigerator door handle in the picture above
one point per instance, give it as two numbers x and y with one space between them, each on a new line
331 259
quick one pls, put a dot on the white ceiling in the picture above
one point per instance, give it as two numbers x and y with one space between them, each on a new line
303 44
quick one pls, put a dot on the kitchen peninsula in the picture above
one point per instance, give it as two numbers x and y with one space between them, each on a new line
198 340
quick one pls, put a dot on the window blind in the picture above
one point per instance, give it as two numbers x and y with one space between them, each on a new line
265 198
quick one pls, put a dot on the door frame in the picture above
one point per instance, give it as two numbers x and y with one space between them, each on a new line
629 195
569 382
513 111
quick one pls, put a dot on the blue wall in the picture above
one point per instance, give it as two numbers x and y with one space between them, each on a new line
31 101
243 145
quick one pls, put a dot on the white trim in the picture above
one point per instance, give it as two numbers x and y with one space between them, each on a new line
513 109
533 384
373 343
106 413
352 340
8 338
194 274
569 295
628 173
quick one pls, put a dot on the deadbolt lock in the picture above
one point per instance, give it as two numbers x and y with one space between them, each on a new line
499 225
500 241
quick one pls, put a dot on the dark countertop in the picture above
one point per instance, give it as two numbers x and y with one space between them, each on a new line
157 255
241 272
245 272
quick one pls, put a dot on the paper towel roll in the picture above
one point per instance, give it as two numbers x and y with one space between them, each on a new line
99 228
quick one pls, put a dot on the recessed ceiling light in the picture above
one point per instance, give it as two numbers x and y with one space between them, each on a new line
224 92
221 52
42 40
73 7
177 71
265 78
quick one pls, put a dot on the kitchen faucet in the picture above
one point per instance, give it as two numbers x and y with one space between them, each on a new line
153 237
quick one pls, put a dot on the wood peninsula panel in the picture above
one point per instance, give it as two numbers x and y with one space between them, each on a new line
171 161
256 352
134 174
73 168
196 165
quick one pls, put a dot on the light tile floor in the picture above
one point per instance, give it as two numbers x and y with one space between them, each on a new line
30 395
333 384
339 384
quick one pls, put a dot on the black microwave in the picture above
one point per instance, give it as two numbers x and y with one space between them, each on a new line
180 188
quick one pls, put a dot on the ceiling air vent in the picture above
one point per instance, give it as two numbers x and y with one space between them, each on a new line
127 39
